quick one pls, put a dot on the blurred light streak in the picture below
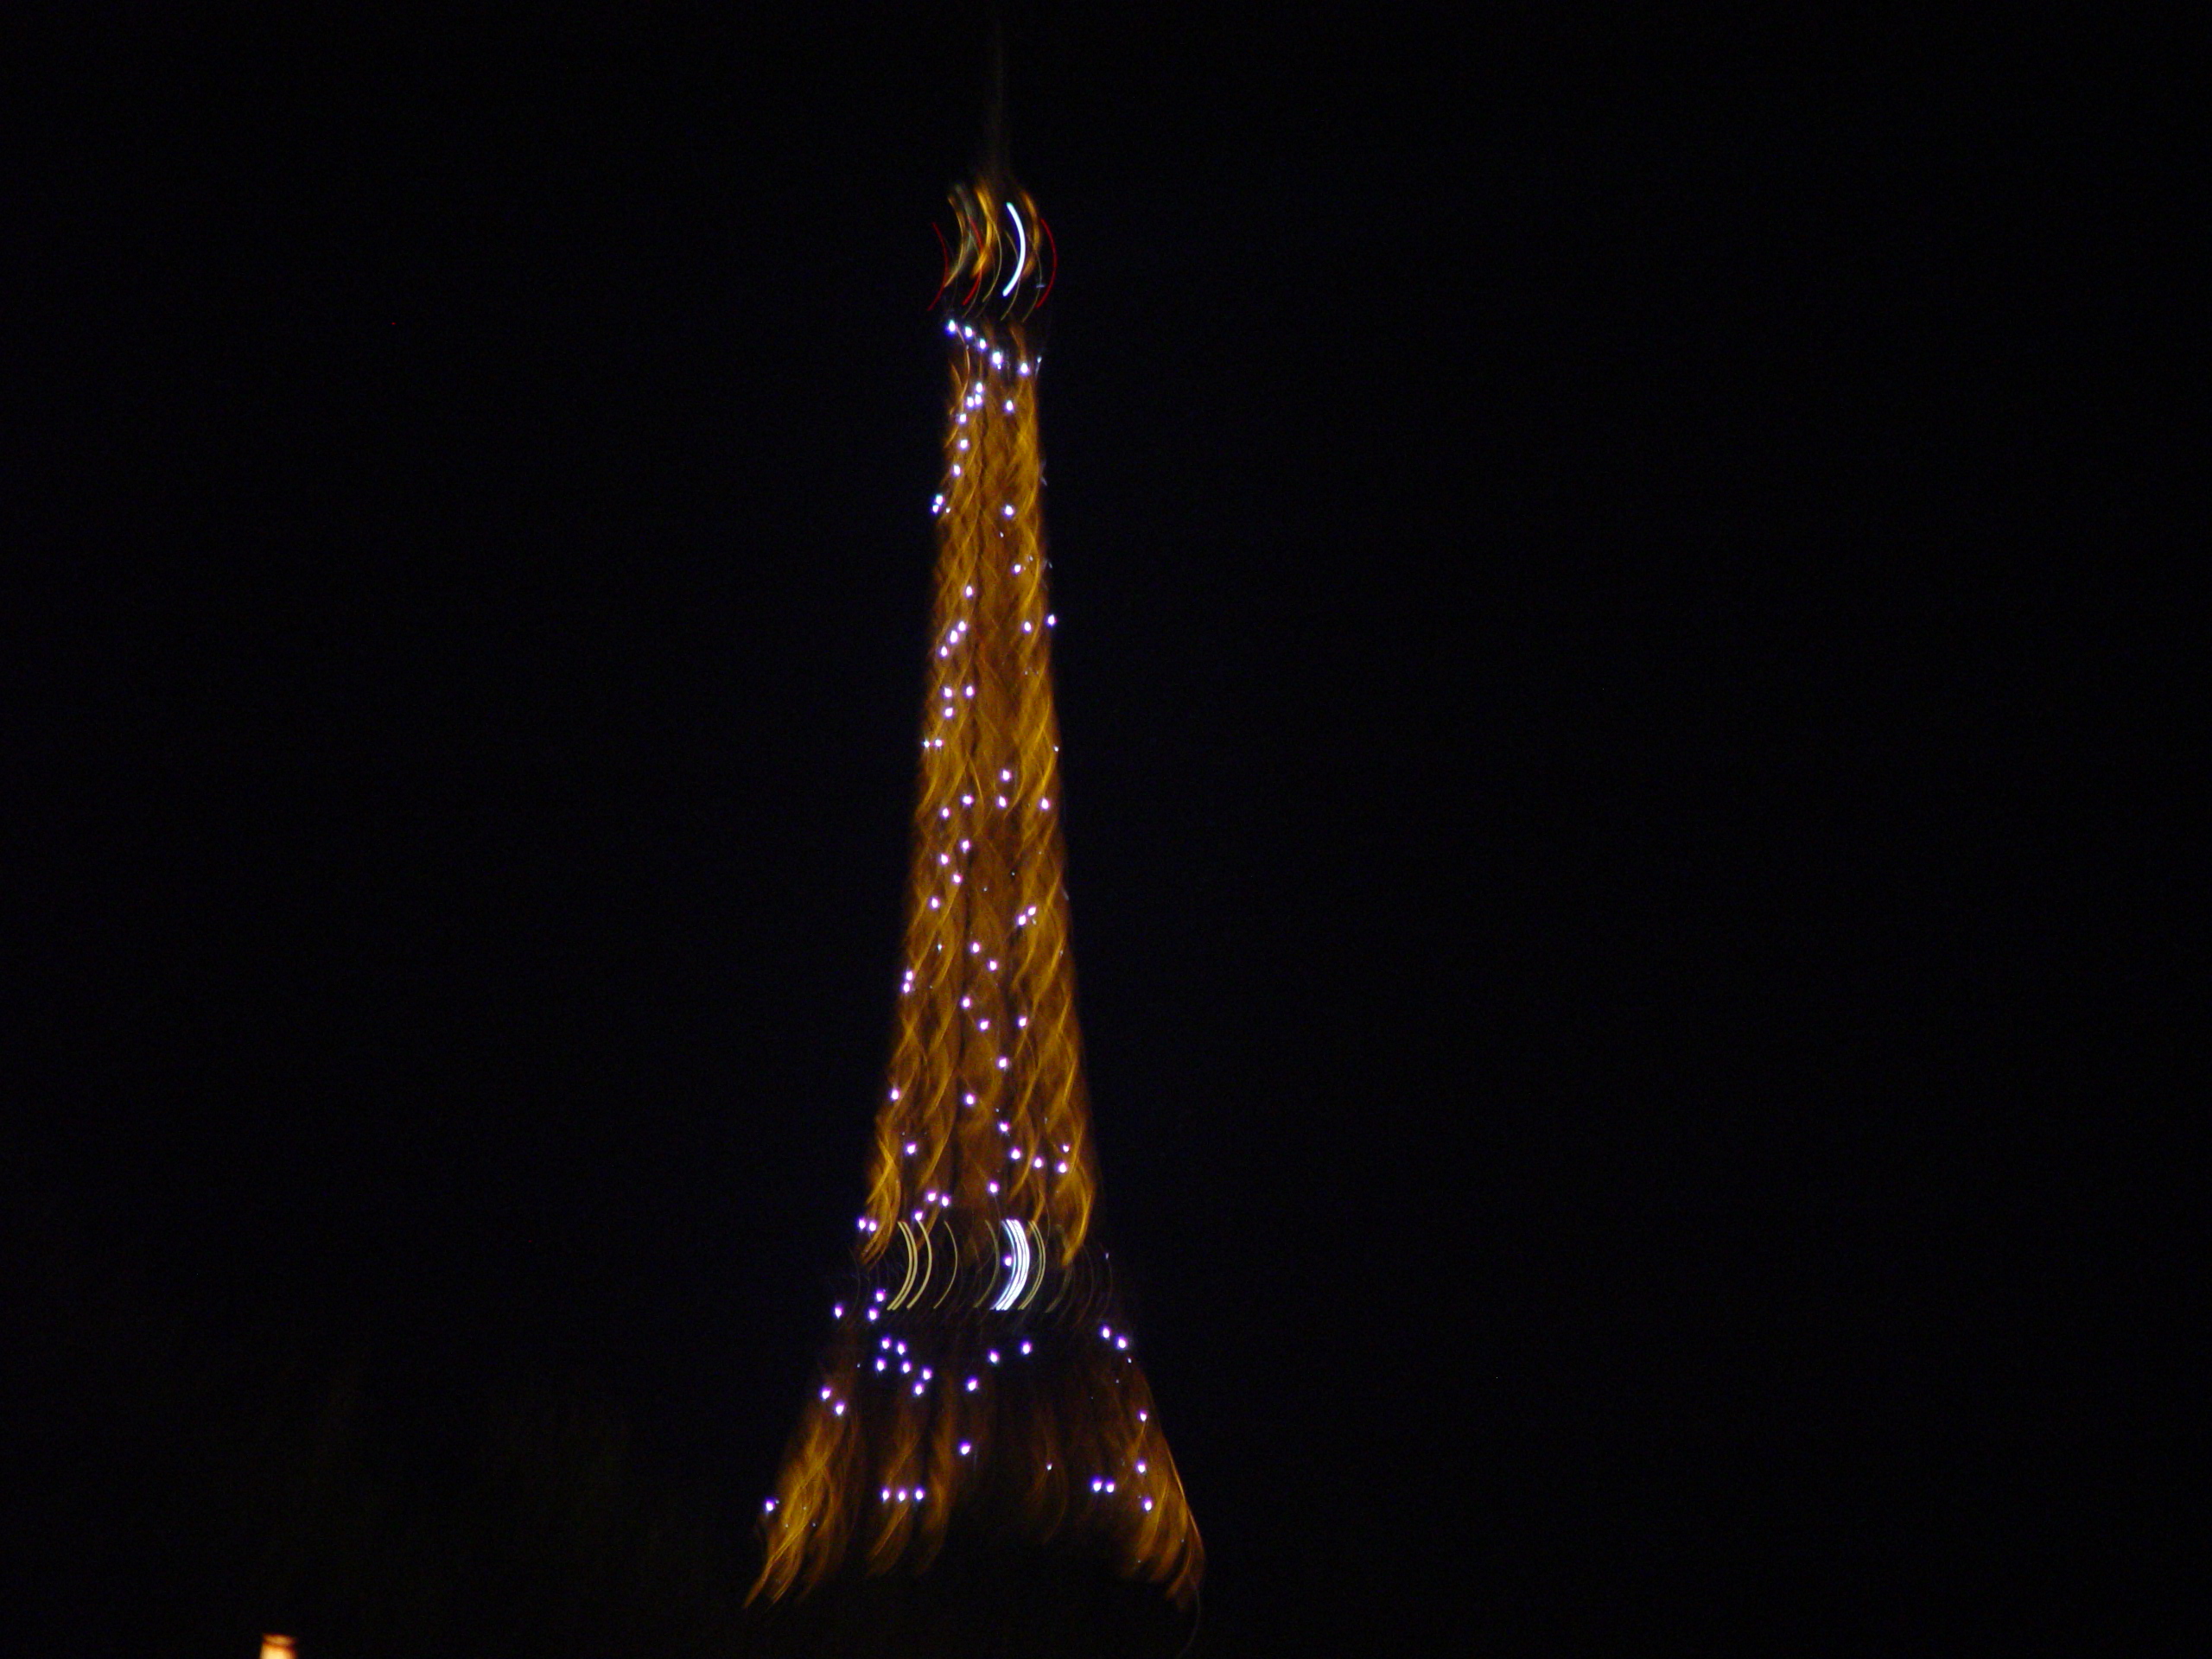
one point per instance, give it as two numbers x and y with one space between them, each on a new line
983 1130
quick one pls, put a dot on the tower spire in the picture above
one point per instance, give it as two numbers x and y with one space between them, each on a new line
996 165
980 1380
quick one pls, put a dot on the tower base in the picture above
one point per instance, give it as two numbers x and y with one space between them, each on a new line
978 1602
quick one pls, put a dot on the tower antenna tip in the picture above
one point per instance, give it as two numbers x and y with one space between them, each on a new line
996 167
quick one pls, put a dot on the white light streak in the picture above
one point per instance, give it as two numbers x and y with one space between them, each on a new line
1021 259
1019 1239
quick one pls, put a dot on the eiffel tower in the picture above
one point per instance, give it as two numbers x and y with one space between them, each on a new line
981 1396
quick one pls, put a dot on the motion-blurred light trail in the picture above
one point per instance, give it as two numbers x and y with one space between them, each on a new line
981 1376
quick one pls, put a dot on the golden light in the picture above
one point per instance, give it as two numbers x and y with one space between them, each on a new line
979 1363
276 1647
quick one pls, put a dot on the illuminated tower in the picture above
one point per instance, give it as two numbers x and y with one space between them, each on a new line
979 1383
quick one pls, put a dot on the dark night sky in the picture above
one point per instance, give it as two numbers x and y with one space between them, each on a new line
1570 543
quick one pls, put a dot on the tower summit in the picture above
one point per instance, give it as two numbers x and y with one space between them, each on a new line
980 1384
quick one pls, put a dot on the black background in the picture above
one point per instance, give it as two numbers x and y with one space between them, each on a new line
1586 661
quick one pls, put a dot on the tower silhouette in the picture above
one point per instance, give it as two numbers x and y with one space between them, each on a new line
980 1390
